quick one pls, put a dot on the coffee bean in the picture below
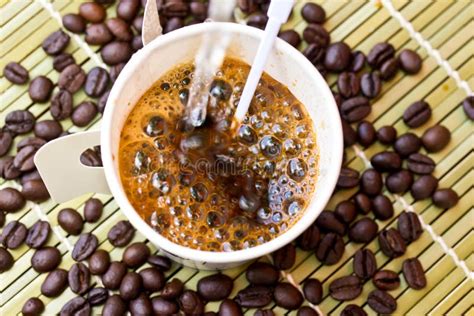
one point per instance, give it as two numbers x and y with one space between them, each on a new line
386 280
11 200
420 164
382 207
353 310
62 60
164 307
291 37
103 102
348 178
387 135
48 129
93 210
287 296
32 307
6 140
92 12
74 23
153 279
350 136
284 258
407 144
229 308
136 254
386 161
247 6
116 52
128 9
414 274
99 262
314 53
358 61
71 221
371 84
20 121
45 259
391 243
96 82
2 218
382 302
262 273
137 24
355 109
346 211
364 264
424 187
198 10
72 78
61 105
191 303
84 247
409 226
121 234
363 230
76 306
115 71
366 133
91 158
97 296
141 305
468 107
348 84
55 43
345 288
316 34
363 203
120 29
313 13
6 260
328 222
40 89
264 312
313 291
417 114
254 296
399 182
24 159
410 61
98 34
84 113
380 53
35 190
15 73
137 43
436 138
215 287
79 278
445 198
114 275
175 9
114 306
55 283
172 289
338 57
389 69
177 23
309 239
161 262
330 249
13 235
130 286
371 182
38 234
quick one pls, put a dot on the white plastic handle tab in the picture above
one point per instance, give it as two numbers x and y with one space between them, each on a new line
64 175
151 28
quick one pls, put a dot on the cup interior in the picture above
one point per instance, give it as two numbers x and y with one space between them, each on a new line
285 64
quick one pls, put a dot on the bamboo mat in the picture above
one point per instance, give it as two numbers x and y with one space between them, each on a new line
445 249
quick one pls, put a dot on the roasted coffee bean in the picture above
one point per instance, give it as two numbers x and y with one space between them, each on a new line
355 109
172 289
2 218
115 71
309 239
399 182
40 89
175 9
35 190
120 29
363 230
30 141
313 291
153 279
98 34
314 53
141 305
45 259
371 84
62 60
96 82
61 105
391 243
364 264
91 158
114 275
264 312
353 310
116 52
371 182
328 222
79 278
215 287
420 164
409 61
24 159
191 303
11 200
137 24
313 13
93 210
262 273
114 306
346 211
358 61
55 283
130 286
33 307
363 203
387 135
74 23
345 288
97 296
13 235
382 207
386 280
350 135
128 9
414 274
19 121
436 138
136 254
284 258
247 6
198 10
137 43
389 69
99 262
366 133
258 20
316 34
254 296
287 296
290 36
6 140
55 43
229 308
348 178
409 226
348 84
15 73
330 249
72 78
445 198
407 144
382 302
164 307
161 262
424 187
468 107
121 234
417 114
92 12
380 53
176 23
386 161
103 102
6 260
71 221
48 129
38 234
76 306
84 113
338 57
84 247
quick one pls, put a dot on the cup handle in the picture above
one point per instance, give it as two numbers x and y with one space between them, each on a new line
59 165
